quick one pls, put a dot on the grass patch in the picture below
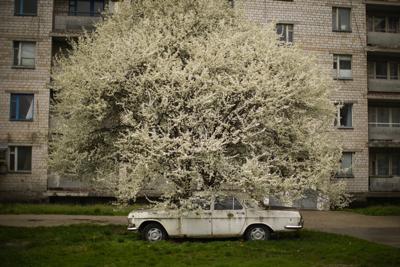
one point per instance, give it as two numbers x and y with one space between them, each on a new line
378 210
69 209
90 245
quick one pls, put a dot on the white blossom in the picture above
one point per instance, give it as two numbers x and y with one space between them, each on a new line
190 96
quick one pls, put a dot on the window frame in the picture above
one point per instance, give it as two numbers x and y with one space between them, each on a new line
18 50
72 8
339 107
379 124
337 58
13 150
375 165
388 70
371 23
336 13
347 174
286 29
17 107
20 12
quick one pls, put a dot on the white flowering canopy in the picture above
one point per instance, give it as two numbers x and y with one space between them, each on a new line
188 94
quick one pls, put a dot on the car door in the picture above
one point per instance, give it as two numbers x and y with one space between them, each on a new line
197 223
228 216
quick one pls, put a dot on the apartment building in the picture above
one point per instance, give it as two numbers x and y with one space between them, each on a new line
358 41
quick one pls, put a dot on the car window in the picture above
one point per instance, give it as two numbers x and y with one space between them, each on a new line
223 203
236 204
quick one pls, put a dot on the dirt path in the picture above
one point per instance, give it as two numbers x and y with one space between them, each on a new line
380 229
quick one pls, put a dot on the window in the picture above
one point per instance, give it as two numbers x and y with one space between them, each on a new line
342 66
341 19
24 54
345 116
346 165
25 8
389 24
384 117
227 203
236 204
20 158
3 159
86 7
385 164
21 107
285 32
383 70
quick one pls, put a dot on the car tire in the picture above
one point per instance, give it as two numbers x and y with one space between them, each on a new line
257 232
154 232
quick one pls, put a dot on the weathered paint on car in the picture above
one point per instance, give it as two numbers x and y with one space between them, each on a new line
216 223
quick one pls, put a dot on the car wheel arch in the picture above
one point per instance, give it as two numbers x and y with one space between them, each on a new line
248 227
145 223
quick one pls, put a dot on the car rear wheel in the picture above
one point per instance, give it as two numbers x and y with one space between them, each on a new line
154 232
257 232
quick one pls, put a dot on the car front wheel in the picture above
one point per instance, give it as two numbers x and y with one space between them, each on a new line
257 232
154 232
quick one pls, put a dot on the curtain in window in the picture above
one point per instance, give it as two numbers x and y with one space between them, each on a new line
27 55
344 19
346 164
26 107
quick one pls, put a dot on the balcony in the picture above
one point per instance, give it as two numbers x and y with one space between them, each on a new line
384 170
382 85
384 40
65 23
386 132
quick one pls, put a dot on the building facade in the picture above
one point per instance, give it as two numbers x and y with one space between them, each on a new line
358 41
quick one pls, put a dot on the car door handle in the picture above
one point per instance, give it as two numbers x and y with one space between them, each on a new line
240 213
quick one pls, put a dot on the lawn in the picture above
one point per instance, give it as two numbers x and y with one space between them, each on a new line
378 210
89 209
89 245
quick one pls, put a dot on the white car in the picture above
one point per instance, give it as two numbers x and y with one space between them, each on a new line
229 216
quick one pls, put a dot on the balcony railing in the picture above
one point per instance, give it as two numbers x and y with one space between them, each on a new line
384 184
384 131
384 39
75 22
383 85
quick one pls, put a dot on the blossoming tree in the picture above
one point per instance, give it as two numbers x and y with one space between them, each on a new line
189 95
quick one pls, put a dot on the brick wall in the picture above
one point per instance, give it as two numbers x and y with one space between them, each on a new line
16 80
312 20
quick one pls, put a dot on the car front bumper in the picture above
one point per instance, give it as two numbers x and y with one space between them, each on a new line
132 227
296 227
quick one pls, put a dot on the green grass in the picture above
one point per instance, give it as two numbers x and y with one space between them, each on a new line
89 245
378 210
94 209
